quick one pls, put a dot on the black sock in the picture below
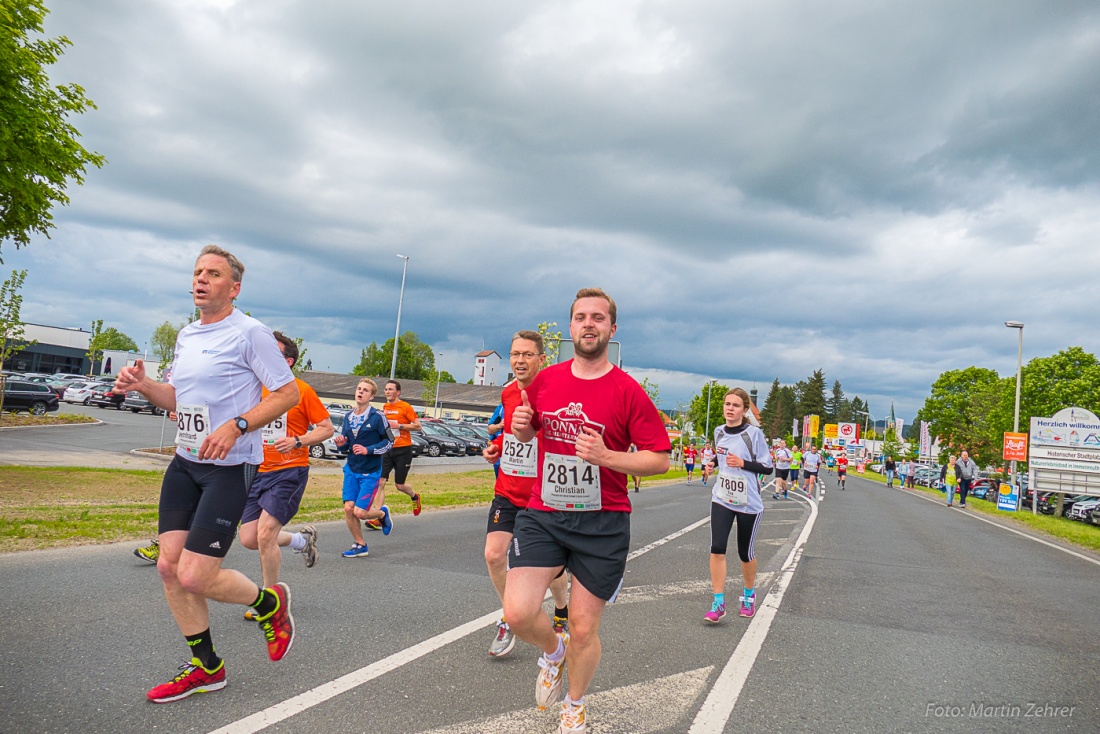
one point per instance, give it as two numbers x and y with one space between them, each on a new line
202 647
265 603
563 613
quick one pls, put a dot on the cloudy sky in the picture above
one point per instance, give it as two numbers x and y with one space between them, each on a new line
766 188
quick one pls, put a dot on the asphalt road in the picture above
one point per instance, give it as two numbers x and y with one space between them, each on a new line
898 615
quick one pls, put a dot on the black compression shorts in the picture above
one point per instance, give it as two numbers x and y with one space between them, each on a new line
207 501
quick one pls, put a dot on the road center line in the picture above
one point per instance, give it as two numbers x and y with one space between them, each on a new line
716 710
308 699
996 524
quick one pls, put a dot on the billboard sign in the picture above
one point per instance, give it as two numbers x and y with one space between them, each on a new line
1015 447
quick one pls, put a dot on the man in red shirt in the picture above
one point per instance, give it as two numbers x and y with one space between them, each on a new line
842 468
514 484
689 460
586 413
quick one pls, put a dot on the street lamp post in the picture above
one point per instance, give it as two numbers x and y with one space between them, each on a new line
1019 326
400 300
866 414
438 368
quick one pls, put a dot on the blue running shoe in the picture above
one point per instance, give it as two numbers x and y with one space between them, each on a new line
387 523
356 551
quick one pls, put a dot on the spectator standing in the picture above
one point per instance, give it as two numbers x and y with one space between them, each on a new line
890 467
967 471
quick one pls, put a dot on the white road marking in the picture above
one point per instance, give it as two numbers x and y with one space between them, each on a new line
1022 534
716 710
315 696
618 708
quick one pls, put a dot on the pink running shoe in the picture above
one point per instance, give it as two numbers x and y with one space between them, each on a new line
748 605
717 611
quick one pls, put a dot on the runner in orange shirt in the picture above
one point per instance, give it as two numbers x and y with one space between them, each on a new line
276 493
402 419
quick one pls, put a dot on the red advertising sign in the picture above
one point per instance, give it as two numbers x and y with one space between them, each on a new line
1015 447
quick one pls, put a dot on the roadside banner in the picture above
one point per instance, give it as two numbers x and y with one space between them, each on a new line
794 428
898 425
925 440
831 432
806 430
849 432
1015 447
815 425
1008 497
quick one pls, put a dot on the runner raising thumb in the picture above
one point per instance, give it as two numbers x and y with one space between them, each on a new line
521 417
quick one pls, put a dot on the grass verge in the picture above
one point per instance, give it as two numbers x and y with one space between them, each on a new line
11 420
66 506
54 507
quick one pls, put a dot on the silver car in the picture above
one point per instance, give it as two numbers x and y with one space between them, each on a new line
79 392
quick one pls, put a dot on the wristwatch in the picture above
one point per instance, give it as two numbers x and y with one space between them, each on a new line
297 442
242 424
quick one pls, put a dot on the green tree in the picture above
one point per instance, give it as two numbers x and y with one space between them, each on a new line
891 446
109 338
836 405
697 409
961 410
11 324
811 394
551 341
38 145
652 391
1070 378
445 376
299 364
415 359
770 418
163 343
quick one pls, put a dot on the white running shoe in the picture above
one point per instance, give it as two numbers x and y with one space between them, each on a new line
572 718
504 641
548 686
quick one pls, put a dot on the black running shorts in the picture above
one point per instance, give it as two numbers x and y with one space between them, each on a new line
207 501
590 545
502 515
781 474
398 461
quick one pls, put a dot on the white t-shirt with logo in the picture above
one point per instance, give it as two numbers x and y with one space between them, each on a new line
737 488
217 373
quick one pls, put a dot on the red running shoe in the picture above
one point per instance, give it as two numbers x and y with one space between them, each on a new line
278 626
193 679
416 505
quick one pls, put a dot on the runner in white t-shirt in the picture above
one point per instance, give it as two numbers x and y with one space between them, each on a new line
811 465
706 457
743 459
782 469
222 362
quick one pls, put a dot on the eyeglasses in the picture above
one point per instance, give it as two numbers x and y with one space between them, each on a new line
525 355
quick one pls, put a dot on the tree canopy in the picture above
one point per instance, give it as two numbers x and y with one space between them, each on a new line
415 359
38 144
109 338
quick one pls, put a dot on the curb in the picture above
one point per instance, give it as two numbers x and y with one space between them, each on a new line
95 422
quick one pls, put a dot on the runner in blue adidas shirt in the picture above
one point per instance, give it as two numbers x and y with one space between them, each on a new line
742 459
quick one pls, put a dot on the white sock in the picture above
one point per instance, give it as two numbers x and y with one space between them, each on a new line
573 704
297 541
558 654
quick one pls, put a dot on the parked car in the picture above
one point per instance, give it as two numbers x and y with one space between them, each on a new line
34 397
103 397
985 488
137 402
440 441
1048 503
328 449
68 376
1094 516
1081 510
474 442
78 392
